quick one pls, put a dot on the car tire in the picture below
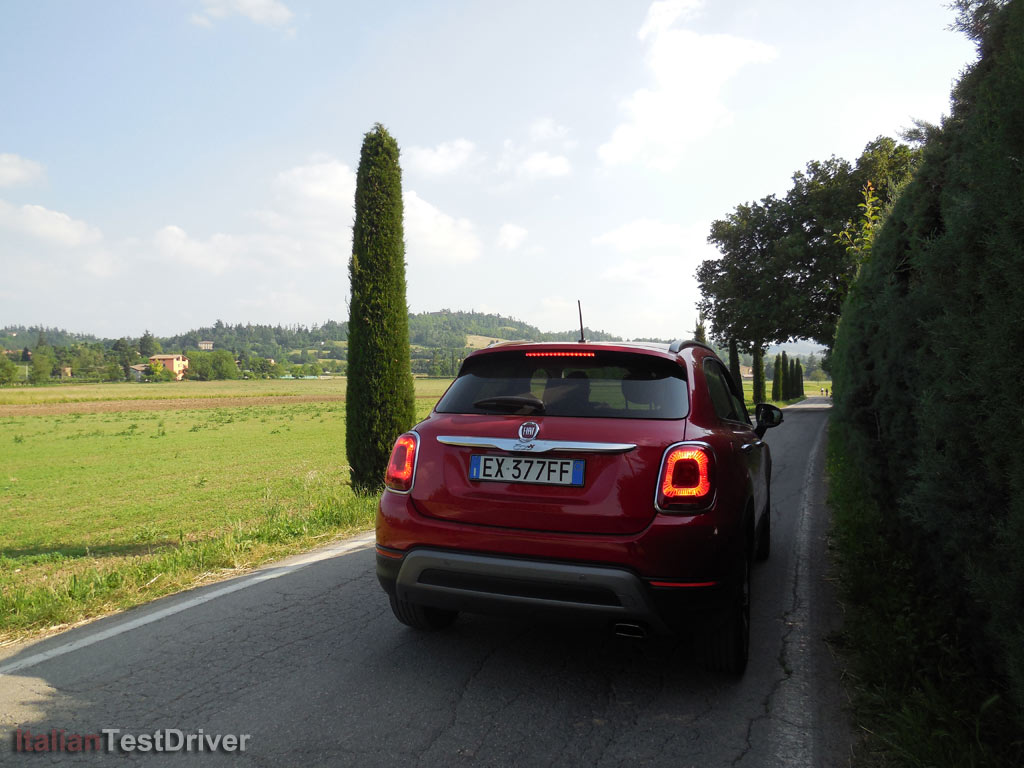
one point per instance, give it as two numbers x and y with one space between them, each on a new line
764 536
422 616
727 643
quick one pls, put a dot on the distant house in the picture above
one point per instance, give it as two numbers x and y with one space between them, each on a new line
138 371
746 372
176 364
206 345
65 372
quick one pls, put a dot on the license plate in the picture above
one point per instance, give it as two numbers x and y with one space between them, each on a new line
517 469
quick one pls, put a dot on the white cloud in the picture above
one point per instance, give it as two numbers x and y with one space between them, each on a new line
664 13
271 13
256 252
546 129
50 226
510 237
313 205
684 102
324 185
656 251
434 237
529 162
17 170
175 246
543 165
445 158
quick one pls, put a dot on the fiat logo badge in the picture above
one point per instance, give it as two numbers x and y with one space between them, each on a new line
528 430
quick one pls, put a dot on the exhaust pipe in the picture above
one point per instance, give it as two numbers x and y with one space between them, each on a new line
630 630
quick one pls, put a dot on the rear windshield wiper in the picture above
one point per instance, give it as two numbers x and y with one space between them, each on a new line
512 403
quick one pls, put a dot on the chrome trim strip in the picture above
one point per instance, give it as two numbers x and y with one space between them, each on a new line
516 445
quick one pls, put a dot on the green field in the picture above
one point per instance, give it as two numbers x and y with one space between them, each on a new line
172 390
103 509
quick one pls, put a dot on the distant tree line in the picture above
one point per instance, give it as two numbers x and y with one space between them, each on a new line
438 339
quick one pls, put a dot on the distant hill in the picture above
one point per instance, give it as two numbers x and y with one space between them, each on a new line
444 329
449 330
798 348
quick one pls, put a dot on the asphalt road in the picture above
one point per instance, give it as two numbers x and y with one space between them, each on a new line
306 660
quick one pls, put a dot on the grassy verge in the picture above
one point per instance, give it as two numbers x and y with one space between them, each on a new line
103 511
917 698
83 586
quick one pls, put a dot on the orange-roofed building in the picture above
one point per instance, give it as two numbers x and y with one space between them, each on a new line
176 364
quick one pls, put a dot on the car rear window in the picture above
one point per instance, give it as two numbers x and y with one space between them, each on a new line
609 384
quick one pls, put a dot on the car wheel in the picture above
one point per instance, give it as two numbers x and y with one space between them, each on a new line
421 616
727 644
764 536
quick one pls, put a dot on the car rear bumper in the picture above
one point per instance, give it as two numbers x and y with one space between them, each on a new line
481 583
673 547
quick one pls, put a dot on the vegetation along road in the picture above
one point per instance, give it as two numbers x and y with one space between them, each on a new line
306 658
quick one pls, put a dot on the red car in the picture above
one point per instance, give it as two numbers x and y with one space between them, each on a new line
618 481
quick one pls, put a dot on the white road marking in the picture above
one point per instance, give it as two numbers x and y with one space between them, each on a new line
363 541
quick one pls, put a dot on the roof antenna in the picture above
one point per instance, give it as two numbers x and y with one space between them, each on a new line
580 308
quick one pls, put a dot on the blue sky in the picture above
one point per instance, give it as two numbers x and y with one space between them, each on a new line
166 164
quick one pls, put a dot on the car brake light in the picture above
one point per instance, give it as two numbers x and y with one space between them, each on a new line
686 476
559 354
402 465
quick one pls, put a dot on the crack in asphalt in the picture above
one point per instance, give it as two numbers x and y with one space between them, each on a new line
458 696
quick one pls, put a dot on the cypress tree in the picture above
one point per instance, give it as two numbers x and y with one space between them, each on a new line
793 380
734 363
799 379
777 379
759 375
784 377
380 403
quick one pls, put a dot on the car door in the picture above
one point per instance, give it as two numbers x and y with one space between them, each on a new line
747 447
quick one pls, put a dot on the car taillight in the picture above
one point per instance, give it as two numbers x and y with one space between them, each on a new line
402 465
687 477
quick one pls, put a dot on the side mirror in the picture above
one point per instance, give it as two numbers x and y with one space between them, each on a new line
767 416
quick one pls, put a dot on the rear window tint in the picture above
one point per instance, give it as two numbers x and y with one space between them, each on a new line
610 384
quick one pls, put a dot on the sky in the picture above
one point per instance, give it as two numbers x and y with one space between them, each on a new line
165 164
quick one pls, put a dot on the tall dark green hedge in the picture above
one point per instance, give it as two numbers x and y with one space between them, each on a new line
928 363
380 403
